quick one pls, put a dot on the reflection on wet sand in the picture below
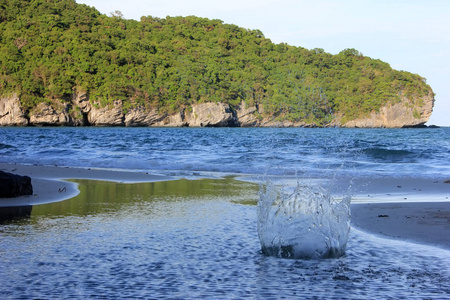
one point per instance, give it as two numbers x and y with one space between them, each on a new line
98 197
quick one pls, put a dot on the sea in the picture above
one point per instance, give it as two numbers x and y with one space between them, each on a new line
195 236
303 152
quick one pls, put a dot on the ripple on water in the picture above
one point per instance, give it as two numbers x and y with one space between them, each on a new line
183 241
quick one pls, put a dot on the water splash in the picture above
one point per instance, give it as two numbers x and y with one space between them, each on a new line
305 223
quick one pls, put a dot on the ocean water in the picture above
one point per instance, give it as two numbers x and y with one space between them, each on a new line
191 239
281 151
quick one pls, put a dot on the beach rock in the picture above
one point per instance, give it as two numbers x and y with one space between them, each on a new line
11 112
12 185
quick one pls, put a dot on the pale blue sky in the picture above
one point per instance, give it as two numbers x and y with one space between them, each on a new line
410 35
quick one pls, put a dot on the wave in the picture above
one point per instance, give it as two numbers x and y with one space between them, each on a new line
391 155
278 151
6 146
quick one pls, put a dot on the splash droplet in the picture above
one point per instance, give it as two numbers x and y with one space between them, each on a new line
287 223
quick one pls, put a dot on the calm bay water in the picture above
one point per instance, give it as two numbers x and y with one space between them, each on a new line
190 239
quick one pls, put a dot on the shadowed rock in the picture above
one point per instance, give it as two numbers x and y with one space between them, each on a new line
12 185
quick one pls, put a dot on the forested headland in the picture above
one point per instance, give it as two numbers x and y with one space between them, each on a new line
51 48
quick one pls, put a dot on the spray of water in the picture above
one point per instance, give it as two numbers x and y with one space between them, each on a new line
304 223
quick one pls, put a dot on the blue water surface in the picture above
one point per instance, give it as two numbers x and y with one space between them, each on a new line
197 239
282 151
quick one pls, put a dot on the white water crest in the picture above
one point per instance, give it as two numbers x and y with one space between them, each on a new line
306 223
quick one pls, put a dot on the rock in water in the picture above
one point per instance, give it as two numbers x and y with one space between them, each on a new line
12 185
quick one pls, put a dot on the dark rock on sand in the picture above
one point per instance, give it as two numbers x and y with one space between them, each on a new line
12 185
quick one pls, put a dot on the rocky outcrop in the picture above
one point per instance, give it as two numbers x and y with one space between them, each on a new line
136 117
12 185
175 120
211 115
45 114
247 116
397 115
139 116
110 115
80 111
56 113
202 115
81 100
11 112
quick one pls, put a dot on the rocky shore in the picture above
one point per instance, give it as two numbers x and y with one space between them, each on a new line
80 111
12 185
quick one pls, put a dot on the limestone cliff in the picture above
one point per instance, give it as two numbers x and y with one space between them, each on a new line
211 114
46 114
80 111
140 117
11 113
111 115
398 115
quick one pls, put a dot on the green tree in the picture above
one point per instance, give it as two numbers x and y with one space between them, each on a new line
48 48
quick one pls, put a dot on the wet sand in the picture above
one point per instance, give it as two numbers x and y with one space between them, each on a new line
49 183
417 222
414 210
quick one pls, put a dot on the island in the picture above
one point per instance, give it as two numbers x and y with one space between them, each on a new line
66 64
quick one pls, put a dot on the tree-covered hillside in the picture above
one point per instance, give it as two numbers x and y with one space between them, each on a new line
49 48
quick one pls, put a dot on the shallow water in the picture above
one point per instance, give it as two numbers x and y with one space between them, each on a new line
190 239
304 223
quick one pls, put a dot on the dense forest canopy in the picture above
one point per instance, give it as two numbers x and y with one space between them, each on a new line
49 48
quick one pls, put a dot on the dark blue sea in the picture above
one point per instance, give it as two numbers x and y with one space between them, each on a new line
279 151
195 237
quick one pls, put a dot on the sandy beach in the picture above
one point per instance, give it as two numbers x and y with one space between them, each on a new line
414 210
417 222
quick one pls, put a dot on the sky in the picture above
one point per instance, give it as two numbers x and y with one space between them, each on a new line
410 35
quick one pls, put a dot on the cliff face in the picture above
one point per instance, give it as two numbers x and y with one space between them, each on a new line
11 113
46 114
398 115
79 111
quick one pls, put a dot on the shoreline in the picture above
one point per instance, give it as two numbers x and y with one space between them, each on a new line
425 223
408 209
50 182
